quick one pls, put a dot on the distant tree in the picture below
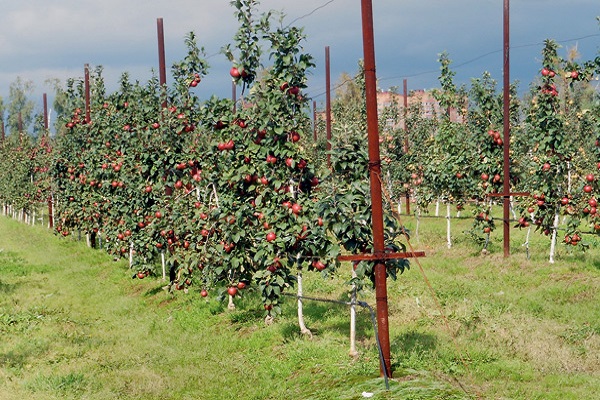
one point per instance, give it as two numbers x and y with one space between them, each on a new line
20 107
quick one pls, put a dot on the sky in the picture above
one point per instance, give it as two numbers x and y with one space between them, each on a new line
54 39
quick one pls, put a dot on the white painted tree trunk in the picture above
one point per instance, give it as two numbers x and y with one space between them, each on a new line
448 237
130 255
353 351
164 267
303 329
512 208
527 237
437 208
418 214
553 243
231 305
53 205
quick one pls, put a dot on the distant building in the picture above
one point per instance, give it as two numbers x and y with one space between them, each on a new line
428 104
424 98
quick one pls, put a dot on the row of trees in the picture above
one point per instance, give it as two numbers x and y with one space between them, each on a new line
236 192
230 193
553 150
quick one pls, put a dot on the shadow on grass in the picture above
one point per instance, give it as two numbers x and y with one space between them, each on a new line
596 263
413 341
6 288
155 291
329 317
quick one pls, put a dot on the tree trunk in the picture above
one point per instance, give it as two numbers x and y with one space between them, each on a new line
303 329
130 255
353 351
449 239
527 238
553 243
418 215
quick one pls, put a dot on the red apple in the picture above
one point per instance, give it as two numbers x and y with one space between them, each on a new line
546 167
296 208
235 73
589 177
318 265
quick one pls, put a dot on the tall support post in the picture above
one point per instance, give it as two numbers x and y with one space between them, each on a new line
314 104
162 68
328 104
46 127
86 72
45 103
506 121
405 128
374 176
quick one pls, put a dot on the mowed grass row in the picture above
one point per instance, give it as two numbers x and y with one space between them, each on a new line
75 325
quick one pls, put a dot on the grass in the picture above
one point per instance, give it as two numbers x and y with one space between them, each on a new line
75 325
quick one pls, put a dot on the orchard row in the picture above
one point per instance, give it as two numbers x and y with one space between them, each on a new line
554 153
234 193
229 192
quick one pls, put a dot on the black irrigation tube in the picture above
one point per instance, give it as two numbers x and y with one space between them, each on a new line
373 321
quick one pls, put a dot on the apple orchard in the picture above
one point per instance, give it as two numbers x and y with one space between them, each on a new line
233 193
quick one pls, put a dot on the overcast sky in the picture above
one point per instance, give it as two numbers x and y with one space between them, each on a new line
42 39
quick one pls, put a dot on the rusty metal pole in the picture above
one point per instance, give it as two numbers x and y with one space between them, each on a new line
46 127
328 104
314 120
405 128
45 102
86 69
506 121
374 175
162 68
